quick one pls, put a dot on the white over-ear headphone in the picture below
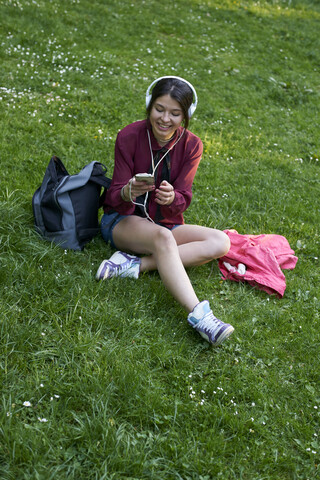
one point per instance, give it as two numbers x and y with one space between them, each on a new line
192 107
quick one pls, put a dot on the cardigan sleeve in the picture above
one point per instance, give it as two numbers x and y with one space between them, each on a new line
123 171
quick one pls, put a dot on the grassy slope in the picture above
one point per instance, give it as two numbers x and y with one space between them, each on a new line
128 390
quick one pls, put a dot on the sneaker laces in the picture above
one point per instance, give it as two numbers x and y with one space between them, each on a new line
209 322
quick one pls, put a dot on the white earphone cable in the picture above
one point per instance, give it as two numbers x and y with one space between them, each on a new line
154 168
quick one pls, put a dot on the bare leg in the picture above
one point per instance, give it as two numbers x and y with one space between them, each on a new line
138 235
197 245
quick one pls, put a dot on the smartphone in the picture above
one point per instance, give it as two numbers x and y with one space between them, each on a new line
144 177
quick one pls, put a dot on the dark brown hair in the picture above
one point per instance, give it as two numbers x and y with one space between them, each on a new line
178 90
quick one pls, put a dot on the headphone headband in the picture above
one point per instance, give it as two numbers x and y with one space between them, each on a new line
194 104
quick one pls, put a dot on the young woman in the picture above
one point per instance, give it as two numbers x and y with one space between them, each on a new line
145 216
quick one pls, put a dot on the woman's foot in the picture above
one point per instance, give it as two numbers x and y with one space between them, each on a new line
209 327
120 264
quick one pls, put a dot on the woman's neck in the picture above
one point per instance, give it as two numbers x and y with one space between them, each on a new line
162 143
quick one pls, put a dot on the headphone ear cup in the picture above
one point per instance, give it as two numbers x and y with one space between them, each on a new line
191 110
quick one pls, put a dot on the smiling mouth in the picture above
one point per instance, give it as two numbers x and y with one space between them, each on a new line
163 127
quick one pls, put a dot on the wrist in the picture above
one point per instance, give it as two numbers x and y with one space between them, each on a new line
124 193
173 195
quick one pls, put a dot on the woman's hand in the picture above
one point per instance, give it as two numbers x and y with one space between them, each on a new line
137 189
165 193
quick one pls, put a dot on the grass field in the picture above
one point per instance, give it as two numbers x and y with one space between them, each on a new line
103 381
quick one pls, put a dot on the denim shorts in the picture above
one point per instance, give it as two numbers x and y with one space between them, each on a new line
110 220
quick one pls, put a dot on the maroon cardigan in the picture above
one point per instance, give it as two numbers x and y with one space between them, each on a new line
132 155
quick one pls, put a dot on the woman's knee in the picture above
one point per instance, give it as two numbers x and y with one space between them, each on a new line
164 241
223 244
218 245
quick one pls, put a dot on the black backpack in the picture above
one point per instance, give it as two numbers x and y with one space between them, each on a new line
65 207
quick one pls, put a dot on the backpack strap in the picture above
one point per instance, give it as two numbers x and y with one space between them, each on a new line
87 173
99 175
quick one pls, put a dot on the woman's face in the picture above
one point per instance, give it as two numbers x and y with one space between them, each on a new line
165 117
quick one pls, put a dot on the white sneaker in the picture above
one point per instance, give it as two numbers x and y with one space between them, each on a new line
209 327
120 264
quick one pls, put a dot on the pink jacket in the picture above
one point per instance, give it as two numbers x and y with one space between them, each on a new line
257 259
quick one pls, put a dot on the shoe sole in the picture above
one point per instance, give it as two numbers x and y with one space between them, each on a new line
226 334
